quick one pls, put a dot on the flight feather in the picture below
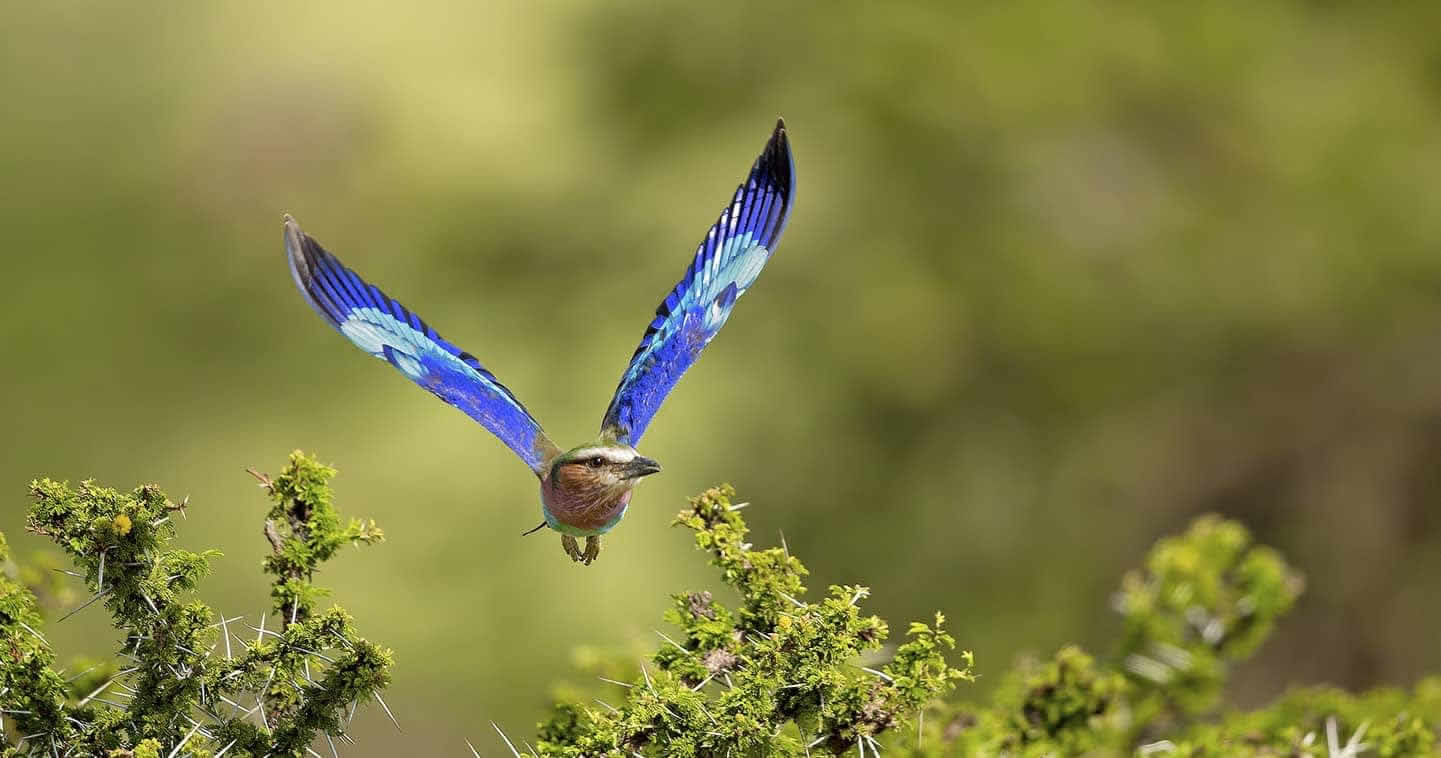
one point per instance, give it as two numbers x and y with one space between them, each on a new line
725 265
382 327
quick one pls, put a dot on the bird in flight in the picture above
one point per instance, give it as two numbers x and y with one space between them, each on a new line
584 491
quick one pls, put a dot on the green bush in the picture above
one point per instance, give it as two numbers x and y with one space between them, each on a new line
1204 602
797 681
186 680
773 673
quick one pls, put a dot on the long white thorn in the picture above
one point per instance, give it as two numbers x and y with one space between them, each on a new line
508 743
880 674
87 604
38 635
794 601
188 735
388 713
102 687
225 629
667 638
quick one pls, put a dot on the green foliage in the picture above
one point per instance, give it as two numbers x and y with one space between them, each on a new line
776 675
33 691
1205 599
1054 268
1327 722
772 674
186 674
1059 706
790 685
304 530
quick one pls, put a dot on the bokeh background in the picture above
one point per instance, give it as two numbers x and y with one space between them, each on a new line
1059 278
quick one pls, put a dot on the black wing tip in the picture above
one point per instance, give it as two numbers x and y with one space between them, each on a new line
307 258
301 246
776 162
302 253
295 239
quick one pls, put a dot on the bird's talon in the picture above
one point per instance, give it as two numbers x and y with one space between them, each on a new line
592 550
572 549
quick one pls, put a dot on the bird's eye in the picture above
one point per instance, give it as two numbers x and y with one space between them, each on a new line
594 462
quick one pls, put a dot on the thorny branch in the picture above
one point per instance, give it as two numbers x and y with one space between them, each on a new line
174 691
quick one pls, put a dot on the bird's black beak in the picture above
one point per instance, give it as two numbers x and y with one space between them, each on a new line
640 467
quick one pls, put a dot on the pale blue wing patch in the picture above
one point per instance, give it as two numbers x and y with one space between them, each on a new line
725 265
383 327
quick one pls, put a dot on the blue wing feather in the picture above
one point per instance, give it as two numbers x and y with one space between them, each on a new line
381 326
725 265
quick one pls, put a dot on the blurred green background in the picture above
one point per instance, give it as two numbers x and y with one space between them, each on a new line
1059 277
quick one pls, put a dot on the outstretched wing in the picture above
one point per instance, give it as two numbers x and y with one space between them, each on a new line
725 265
381 326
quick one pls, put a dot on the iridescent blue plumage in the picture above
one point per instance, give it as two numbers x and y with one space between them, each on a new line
584 491
381 326
726 263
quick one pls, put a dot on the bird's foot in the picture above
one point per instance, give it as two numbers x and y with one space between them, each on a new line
572 549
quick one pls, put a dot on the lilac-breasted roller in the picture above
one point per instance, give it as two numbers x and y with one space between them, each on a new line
584 491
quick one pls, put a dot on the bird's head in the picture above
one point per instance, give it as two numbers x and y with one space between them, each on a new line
601 466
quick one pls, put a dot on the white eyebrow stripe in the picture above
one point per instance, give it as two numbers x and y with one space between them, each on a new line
612 454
